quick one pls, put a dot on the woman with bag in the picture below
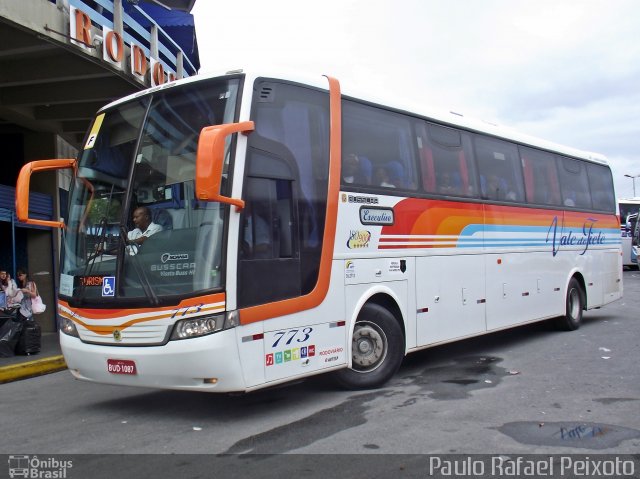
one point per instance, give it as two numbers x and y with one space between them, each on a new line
32 302
30 339
29 291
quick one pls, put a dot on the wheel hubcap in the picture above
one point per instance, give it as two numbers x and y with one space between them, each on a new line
369 346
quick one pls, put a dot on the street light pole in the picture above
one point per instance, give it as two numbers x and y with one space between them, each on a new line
633 178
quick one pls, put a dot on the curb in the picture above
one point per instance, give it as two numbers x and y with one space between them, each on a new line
32 368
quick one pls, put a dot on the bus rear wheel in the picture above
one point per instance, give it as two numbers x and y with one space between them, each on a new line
377 349
573 309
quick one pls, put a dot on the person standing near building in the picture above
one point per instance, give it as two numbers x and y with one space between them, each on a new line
29 291
13 295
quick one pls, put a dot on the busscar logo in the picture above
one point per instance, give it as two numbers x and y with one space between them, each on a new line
367 200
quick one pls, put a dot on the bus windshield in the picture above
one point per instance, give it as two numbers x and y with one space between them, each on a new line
135 228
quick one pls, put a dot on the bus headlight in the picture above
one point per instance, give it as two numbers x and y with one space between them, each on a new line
192 328
68 327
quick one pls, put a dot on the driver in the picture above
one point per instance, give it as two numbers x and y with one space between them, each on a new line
144 228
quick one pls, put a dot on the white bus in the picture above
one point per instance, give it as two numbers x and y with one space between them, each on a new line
304 231
629 209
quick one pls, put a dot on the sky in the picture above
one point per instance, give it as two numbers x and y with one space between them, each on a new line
567 71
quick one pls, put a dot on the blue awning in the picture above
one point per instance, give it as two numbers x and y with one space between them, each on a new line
184 5
179 25
40 206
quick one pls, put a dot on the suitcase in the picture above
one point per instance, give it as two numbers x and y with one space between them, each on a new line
30 341
9 334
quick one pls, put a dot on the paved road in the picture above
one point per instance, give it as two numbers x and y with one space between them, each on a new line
528 390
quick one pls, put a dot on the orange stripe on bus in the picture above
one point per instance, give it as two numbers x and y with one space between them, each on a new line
108 329
106 314
111 314
415 216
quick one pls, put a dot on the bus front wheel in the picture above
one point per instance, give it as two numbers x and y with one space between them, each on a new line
377 349
574 307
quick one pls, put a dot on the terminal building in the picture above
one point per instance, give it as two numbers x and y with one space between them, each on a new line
60 61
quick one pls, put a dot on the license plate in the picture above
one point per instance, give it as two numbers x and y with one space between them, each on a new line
121 366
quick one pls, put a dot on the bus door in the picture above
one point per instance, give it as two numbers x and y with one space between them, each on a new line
269 266
281 233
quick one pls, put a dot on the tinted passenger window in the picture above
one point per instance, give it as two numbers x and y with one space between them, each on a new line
540 177
601 186
574 183
446 160
499 168
377 148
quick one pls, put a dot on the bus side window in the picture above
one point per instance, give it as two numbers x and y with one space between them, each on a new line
574 183
377 148
540 177
500 169
600 182
446 160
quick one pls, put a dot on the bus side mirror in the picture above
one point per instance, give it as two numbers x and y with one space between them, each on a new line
210 160
22 188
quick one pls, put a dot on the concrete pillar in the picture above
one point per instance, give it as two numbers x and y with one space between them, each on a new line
40 246
40 251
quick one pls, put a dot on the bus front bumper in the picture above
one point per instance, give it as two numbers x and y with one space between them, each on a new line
208 363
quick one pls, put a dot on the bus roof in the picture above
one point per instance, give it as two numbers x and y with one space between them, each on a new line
449 118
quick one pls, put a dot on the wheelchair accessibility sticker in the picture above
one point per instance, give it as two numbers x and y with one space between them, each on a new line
109 286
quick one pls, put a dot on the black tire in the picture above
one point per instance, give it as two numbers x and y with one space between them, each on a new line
377 349
574 305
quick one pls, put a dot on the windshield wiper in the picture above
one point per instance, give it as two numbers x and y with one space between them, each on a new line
144 280
88 267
